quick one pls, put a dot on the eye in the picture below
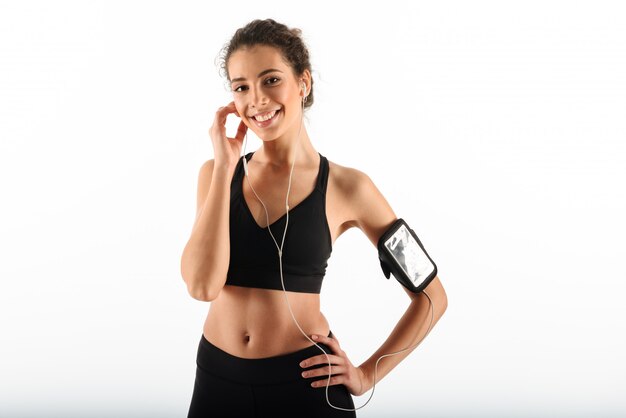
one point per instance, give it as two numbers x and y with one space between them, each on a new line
271 78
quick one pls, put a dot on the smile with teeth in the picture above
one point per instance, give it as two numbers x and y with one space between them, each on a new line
267 116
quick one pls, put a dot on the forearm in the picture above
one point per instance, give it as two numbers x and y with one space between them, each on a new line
205 258
410 329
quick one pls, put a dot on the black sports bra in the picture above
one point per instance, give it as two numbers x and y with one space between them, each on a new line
254 260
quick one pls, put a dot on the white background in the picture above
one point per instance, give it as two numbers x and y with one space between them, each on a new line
496 129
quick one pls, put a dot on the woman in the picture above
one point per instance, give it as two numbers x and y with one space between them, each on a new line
252 358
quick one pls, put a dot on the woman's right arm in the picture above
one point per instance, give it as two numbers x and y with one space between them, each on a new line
206 256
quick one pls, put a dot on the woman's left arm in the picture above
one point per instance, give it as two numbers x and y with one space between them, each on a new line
411 328
370 212
373 215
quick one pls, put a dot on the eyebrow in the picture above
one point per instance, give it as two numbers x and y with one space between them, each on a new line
261 74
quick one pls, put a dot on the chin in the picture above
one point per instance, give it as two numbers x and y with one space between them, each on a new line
268 138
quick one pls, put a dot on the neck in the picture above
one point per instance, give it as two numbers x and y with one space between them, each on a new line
281 152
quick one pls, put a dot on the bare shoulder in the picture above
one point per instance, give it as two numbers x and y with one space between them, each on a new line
364 205
368 210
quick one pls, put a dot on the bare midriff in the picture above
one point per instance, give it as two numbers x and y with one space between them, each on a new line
250 322
256 323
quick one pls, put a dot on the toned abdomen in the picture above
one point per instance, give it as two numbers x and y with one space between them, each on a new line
255 323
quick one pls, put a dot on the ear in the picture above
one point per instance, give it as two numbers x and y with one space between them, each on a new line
306 79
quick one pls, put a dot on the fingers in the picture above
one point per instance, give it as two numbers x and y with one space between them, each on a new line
340 372
321 359
232 108
241 131
335 380
336 370
222 112
332 342
338 363
336 359
219 123
324 371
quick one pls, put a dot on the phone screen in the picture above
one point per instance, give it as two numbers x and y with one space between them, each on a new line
409 254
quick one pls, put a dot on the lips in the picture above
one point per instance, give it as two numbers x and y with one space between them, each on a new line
265 113
268 122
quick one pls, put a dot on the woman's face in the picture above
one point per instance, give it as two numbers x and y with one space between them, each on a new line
259 91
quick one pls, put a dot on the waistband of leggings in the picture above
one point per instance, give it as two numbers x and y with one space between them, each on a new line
259 371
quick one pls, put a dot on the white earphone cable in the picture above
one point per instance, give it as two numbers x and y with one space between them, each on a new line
280 255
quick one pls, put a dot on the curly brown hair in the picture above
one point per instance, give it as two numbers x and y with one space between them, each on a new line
269 32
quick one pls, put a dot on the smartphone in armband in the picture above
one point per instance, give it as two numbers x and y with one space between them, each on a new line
402 254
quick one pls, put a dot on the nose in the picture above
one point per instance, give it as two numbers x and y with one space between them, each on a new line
257 97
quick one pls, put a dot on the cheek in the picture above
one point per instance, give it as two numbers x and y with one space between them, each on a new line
291 101
280 94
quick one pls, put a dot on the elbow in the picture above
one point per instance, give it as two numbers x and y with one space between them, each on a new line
197 286
202 293
441 304
438 296
442 297
441 301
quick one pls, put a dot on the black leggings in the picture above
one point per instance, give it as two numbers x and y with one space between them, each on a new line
230 386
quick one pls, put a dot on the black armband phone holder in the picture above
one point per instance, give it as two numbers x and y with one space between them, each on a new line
402 254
